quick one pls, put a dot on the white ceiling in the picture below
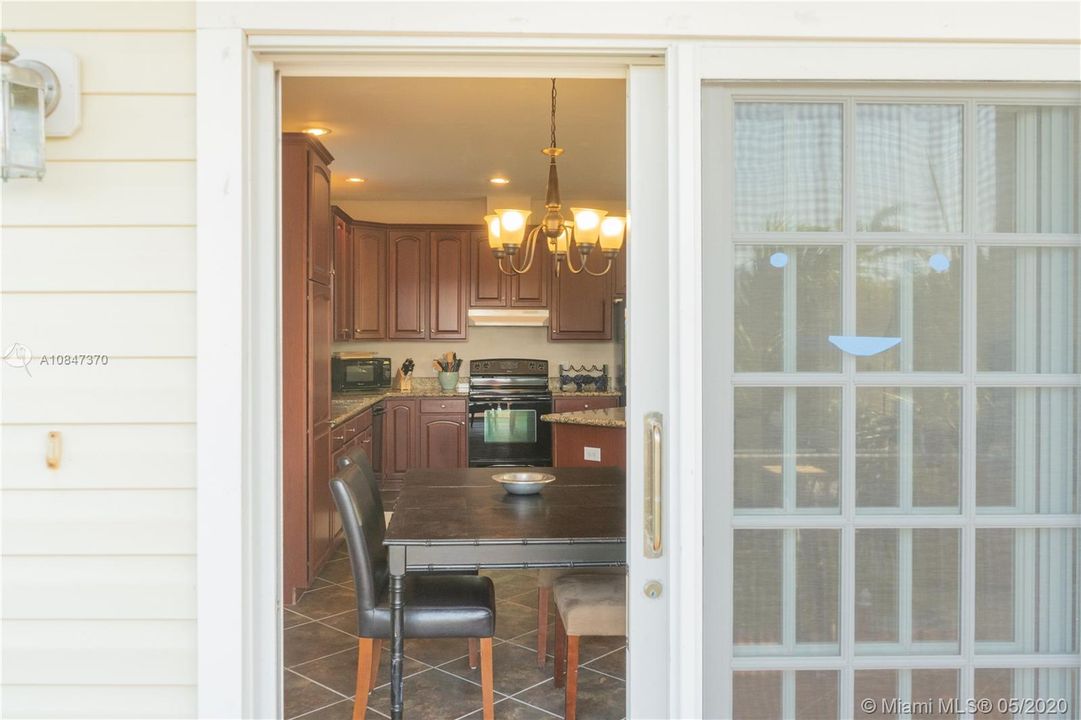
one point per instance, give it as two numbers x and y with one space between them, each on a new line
443 138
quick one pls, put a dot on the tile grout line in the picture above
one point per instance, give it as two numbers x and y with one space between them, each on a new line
315 710
325 687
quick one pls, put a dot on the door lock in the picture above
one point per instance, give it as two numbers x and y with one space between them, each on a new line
652 589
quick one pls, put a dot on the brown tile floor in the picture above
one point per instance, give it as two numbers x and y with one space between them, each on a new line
321 661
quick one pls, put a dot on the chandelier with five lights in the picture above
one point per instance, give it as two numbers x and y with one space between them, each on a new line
507 228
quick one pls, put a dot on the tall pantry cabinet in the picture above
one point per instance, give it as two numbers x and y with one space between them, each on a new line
310 522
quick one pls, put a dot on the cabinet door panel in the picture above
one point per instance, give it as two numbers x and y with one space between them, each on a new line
488 287
320 336
582 304
399 430
369 282
574 404
619 269
343 279
320 229
530 290
443 441
320 503
407 284
449 278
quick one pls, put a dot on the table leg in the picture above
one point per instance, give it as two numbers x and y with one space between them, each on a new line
397 644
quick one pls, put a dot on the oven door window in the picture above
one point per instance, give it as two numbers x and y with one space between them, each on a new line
510 426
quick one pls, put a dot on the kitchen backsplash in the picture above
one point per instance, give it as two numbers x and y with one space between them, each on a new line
490 342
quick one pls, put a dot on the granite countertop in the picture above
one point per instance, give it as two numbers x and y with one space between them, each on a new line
605 417
585 393
346 406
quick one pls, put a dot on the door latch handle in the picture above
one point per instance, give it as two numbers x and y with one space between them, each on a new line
654 485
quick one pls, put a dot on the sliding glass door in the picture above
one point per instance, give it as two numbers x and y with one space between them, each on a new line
892 402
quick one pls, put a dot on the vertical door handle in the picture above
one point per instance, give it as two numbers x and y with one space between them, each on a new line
654 485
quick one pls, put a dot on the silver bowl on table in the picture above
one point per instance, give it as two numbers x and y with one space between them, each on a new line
523 482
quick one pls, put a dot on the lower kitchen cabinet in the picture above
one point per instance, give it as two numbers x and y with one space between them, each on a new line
592 402
320 503
400 439
441 432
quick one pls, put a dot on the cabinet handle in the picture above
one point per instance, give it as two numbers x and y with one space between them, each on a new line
442 405
654 467
586 406
339 437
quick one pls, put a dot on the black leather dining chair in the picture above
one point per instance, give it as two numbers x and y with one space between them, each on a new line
358 457
435 606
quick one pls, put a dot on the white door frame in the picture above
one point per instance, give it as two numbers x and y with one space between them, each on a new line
238 309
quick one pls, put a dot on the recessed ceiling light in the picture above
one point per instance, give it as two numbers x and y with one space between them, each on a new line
316 131
499 181
356 179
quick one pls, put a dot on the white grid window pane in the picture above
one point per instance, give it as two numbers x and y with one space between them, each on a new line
879 693
1057 687
1026 590
788 600
1028 309
911 293
799 694
908 449
788 303
1028 169
1027 449
788 449
909 168
788 167
907 591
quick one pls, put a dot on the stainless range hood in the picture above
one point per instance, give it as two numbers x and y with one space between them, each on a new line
510 317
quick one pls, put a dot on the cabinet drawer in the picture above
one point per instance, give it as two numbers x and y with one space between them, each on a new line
574 404
442 406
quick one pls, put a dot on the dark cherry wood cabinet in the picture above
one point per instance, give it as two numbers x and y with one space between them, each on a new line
581 305
369 281
593 402
407 284
488 285
443 441
320 503
320 235
400 438
530 289
619 270
320 337
448 284
343 278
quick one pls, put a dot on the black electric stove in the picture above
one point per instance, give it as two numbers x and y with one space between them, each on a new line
507 396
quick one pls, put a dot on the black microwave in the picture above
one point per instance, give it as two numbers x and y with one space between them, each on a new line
353 373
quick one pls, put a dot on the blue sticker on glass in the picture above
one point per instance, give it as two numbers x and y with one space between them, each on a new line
939 262
863 346
778 259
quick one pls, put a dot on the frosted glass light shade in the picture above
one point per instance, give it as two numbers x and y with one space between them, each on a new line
512 226
612 228
494 242
587 225
562 241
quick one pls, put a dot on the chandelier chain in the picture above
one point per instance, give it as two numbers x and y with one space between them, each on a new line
553 112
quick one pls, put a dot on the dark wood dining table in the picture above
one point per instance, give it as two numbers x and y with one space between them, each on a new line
461 519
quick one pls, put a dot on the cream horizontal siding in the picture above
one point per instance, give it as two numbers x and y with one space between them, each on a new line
125 259
98 598
99 701
98 457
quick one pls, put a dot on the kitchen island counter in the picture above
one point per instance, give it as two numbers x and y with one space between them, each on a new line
604 417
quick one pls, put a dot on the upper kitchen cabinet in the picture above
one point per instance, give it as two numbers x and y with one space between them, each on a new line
619 270
488 287
448 290
343 276
581 305
407 284
369 281
530 289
